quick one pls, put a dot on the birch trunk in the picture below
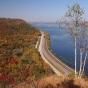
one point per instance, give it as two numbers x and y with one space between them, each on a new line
75 58
81 53
84 62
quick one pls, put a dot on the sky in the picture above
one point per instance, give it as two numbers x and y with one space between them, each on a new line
39 10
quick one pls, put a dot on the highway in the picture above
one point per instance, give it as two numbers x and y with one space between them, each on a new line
48 56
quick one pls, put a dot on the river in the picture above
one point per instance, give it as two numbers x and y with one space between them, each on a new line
62 44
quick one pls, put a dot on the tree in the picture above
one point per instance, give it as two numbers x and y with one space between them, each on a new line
82 46
74 25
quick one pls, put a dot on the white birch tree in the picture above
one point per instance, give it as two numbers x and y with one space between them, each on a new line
82 46
73 24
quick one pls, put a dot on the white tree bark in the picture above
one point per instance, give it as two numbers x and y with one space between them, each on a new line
80 71
84 63
75 58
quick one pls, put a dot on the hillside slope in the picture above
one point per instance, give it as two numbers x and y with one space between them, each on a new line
18 57
54 82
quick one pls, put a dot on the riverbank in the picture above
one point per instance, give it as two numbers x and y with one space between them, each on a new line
47 54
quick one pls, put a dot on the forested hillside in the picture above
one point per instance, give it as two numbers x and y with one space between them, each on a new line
18 56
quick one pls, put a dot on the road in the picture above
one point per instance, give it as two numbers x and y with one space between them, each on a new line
48 56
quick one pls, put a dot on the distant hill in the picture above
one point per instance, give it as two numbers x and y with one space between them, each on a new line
47 23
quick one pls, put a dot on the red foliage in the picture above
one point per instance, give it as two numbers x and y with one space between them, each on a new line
12 61
4 78
11 80
26 71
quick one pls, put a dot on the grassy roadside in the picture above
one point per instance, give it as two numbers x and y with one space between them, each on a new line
48 40
61 71
48 44
39 42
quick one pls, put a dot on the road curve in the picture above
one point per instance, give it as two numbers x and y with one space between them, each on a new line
48 56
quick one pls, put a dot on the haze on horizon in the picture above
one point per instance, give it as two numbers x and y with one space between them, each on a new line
38 10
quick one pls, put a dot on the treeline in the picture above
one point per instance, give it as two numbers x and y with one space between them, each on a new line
18 56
